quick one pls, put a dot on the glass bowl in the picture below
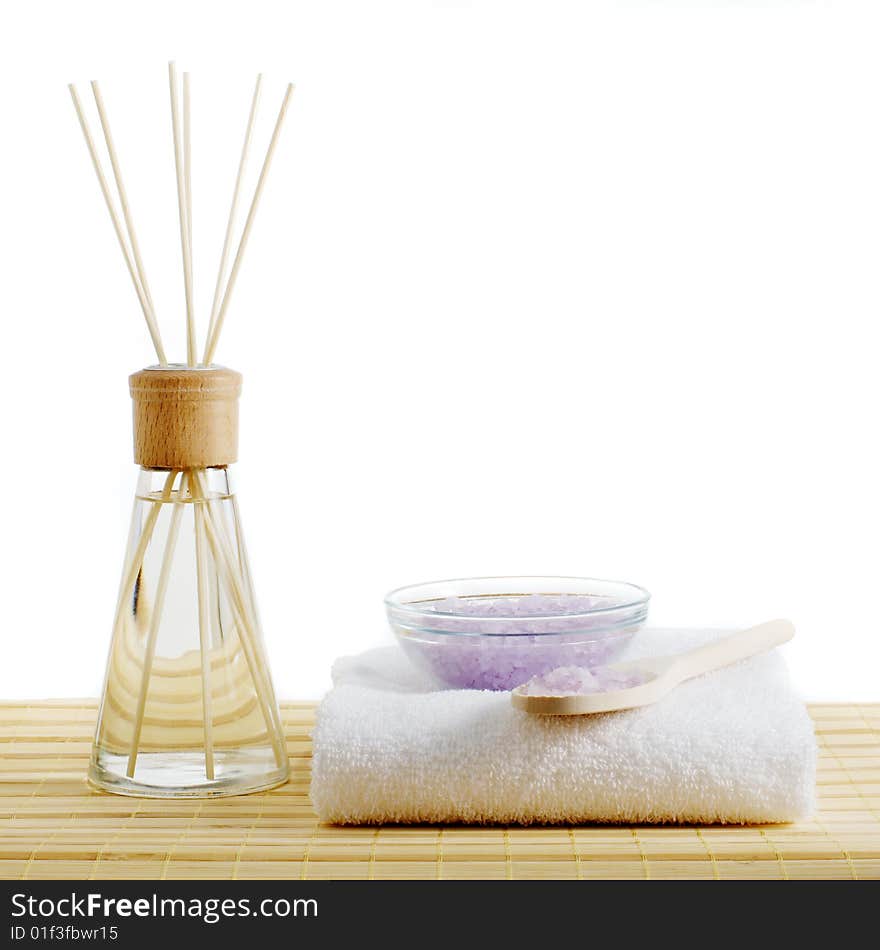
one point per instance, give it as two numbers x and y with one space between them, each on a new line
498 632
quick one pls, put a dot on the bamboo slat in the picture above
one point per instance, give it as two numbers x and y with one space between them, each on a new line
53 826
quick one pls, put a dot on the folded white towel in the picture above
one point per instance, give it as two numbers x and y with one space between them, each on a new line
390 745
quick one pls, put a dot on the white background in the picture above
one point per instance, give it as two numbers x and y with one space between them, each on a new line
535 288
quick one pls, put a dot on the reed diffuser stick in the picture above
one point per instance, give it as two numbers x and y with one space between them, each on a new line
123 202
129 578
182 216
211 344
187 162
187 186
155 620
204 630
231 583
230 580
233 208
152 326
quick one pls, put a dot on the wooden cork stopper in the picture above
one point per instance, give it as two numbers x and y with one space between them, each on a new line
185 417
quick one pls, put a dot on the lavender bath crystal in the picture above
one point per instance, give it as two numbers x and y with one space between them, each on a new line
579 681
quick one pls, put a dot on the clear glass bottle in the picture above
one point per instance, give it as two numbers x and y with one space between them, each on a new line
188 708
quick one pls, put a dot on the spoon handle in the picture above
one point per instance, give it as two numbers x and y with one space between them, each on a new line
738 646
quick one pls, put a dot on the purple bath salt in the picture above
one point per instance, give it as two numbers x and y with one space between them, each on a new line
578 680
546 613
503 662
500 642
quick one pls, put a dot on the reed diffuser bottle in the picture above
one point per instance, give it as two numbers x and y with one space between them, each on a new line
188 708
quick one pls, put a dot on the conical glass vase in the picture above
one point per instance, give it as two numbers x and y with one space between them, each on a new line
188 708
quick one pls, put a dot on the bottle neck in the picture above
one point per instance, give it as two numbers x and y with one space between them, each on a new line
184 486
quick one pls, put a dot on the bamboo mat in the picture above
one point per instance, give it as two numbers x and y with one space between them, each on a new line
52 825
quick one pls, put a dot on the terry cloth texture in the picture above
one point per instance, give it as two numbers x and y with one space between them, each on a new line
734 746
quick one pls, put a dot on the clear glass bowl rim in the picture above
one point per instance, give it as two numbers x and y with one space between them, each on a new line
394 605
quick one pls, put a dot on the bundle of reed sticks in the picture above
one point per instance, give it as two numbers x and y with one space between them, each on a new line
213 537
128 243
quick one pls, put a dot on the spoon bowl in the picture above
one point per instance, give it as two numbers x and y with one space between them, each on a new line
660 675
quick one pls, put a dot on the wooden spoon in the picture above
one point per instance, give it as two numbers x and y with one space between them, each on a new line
661 674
